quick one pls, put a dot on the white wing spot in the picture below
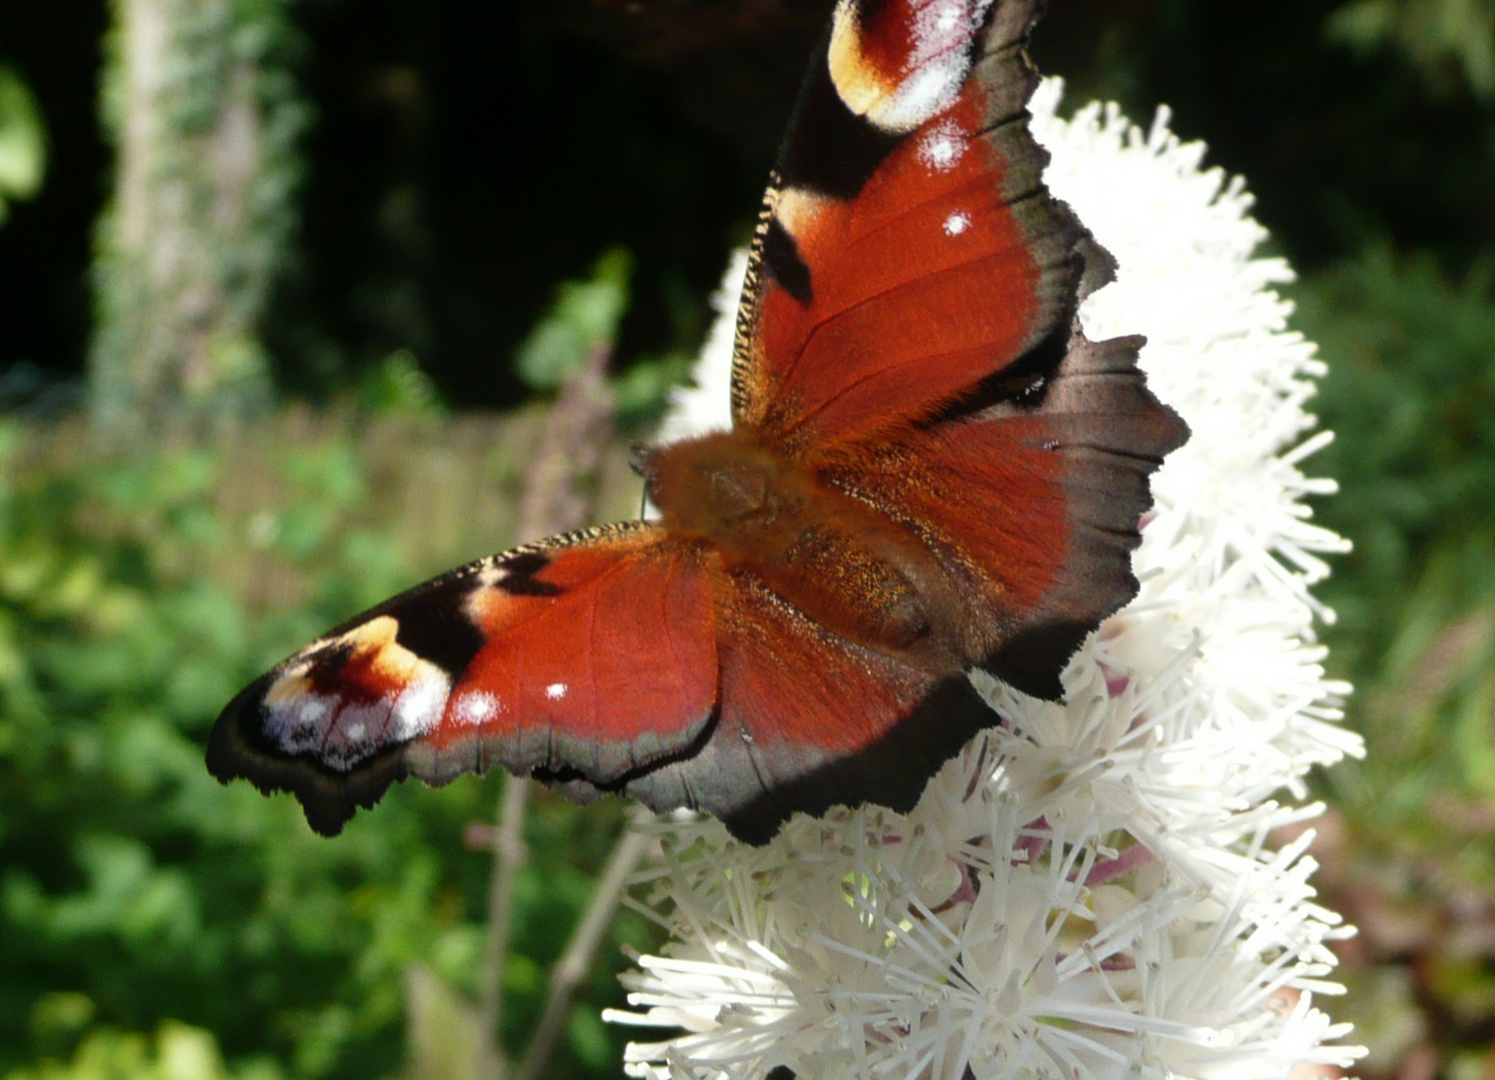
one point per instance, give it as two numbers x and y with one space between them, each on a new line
942 147
418 708
477 707
556 690
957 223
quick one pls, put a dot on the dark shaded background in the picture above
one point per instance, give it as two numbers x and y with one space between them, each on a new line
466 157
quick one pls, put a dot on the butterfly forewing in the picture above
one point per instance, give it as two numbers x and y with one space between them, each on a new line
591 655
908 250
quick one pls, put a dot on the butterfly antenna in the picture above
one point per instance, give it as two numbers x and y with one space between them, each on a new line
639 457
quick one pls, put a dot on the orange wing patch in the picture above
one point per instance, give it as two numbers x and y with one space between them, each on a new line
602 662
809 720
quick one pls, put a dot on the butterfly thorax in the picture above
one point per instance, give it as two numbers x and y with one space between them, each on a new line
835 559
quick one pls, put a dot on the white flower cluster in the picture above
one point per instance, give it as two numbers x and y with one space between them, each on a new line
1088 890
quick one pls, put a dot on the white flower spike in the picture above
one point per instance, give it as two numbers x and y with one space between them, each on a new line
1086 892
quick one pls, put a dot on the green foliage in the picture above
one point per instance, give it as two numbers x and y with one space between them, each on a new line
137 894
643 390
585 315
1410 394
1448 40
398 384
23 141
177 1052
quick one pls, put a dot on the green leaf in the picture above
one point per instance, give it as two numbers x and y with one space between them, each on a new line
23 140
585 315
1439 37
399 384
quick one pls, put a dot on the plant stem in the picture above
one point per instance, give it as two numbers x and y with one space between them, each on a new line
573 966
509 855
555 500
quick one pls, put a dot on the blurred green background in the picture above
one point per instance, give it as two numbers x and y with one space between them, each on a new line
286 290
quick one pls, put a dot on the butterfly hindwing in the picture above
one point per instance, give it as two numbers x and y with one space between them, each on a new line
1031 504
809 720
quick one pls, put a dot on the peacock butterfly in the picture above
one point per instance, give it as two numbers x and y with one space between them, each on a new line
930 469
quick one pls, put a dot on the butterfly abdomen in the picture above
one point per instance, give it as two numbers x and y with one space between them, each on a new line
833 558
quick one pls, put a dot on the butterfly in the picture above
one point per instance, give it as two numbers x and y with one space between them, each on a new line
930 469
